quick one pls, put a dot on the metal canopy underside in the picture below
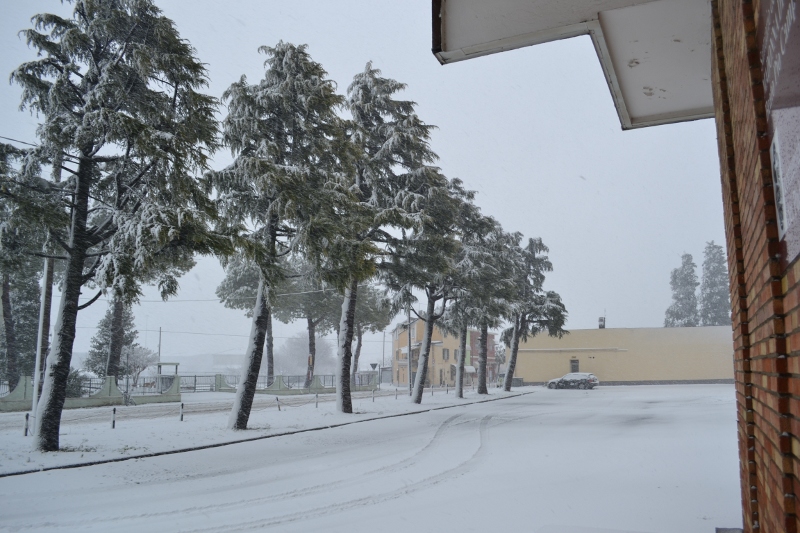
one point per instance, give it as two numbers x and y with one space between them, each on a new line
656 55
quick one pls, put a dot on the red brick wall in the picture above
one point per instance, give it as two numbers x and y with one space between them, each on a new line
763 288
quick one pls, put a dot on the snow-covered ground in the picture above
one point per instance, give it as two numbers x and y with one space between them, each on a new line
87 436
648 459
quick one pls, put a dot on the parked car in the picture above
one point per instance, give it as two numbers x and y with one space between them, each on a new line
574 380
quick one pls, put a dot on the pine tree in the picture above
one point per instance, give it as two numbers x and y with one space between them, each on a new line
163 270
19 273
20 306
97 360
117 89
683 310
389 177
473 264
715 302
492 290
282 132
532 310
427 260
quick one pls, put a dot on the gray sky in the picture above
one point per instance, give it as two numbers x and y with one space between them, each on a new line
534 131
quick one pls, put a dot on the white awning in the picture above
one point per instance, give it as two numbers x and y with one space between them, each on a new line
656 55
467 369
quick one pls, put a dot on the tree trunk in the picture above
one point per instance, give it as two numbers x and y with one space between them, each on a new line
483 340
462 357
246 389
54 389
312 352
344 403
424 352
117 337
12 355
359 341
519 323
270 348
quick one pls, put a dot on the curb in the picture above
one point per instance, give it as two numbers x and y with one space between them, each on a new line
250 439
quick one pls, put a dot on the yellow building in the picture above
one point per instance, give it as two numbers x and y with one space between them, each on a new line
443 357
631 356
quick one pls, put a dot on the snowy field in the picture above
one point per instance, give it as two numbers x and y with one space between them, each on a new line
649 459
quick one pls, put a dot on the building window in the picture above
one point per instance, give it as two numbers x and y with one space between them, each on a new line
777 182
573 365
445 354
456 354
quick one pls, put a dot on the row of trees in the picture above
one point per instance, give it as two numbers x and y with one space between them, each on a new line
714 302
327 193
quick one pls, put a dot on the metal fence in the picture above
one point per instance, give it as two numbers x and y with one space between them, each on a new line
366 379
210 383
286 382
83 386
328 382
147 385
198 383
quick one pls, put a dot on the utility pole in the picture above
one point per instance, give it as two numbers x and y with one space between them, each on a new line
160 381
42 335
127 375
45 303
383 356
410 381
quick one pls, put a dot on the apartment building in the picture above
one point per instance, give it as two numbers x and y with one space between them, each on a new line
443 358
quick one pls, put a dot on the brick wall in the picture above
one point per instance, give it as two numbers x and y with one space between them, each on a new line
764 289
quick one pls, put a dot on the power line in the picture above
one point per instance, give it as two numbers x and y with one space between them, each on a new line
17 141
218 300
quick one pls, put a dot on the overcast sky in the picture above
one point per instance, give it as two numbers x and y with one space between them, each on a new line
534 131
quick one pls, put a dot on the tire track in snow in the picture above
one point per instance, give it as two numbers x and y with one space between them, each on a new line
297 493
318 512
397 466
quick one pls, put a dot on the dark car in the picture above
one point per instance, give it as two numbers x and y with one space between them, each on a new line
574 380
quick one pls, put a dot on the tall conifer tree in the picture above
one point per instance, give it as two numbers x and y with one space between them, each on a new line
683 281
715 301
390 178
532 310
282 132
100 345
117 89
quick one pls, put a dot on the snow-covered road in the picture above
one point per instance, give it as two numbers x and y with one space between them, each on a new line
617 459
